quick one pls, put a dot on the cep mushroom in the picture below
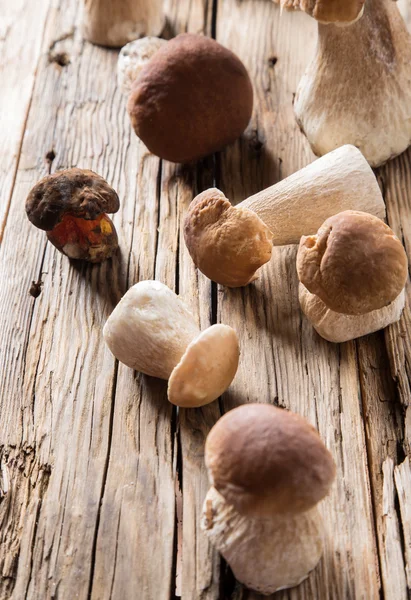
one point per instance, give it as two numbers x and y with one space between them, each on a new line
268 469
229 244
114 23
192 98
352 276
357 88
71 207
152 331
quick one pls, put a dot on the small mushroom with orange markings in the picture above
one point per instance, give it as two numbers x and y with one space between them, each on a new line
229 244
268 469
152 331
71 207
352 276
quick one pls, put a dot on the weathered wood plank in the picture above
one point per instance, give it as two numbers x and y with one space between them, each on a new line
71 421
283 360
21 36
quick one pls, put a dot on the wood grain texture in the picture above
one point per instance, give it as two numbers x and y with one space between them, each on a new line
93 459
22 26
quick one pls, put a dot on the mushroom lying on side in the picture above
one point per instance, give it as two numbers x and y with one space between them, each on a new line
229 244
352 274
268 469
357 89
70 206
152 331
116 22
192 97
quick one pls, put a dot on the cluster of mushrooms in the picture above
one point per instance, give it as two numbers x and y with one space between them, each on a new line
188 98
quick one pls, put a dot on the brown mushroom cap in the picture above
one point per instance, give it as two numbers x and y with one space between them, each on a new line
227 244
355 263
207 368
193 98
77 192
266 460
327 11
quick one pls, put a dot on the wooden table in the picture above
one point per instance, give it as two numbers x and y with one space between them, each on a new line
101 479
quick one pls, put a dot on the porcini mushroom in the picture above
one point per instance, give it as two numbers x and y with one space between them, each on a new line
357 88
70 206
191 99
115 23
133 57
352 274
152 331
268 469
229 244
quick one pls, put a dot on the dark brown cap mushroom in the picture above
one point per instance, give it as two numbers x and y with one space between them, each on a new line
70 206
193 98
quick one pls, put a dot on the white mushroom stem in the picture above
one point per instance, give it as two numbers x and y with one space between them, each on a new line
298 205
338 327
265 554
116 22
357 88
152 331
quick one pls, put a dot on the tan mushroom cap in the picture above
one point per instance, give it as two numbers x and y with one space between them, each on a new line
264 460
328 11
207 368
227 244
150 329
355 263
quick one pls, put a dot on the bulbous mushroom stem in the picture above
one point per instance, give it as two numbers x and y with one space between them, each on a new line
357 88
229 244
327 11
266 554
152 331
338 327
116 22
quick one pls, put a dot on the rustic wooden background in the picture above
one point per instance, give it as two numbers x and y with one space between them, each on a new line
94 461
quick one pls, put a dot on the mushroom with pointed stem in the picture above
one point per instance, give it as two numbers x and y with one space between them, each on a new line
268 469
153 332
352 276
357 88
229 244
71 207
114 23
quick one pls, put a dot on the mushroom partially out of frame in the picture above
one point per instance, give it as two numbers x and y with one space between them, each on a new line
71 207
352 276
229 244
153 332
192 98
357 89
268 469
113 23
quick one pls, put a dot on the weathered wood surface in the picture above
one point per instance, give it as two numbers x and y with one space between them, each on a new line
92 457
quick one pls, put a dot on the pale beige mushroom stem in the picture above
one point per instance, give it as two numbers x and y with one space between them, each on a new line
357 88
152 331
341 180
117 22
229 244
266 554
327 11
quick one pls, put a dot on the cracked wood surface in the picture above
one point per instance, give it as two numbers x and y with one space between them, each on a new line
91 453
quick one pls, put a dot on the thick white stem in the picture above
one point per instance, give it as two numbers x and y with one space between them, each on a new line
357 88
265 554
116 22
298 205
337 327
